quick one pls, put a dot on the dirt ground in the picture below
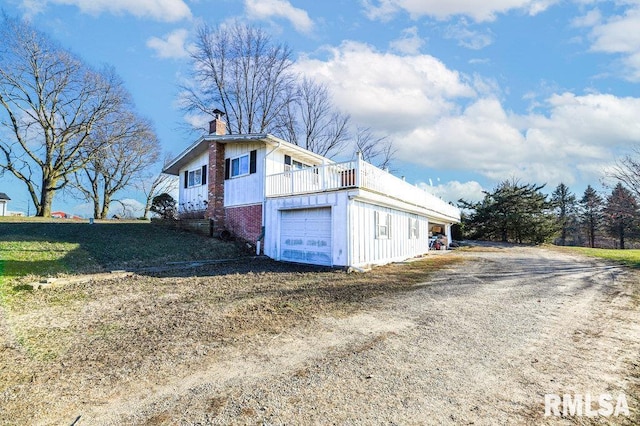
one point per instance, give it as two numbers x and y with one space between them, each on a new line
480 342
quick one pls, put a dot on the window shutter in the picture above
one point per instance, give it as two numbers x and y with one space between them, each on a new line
253 155
287 160
186 178
204 174
410 228
227 168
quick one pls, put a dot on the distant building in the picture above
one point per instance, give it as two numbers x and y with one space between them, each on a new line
4 200
63 215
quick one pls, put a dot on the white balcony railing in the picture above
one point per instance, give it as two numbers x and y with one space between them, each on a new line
355 174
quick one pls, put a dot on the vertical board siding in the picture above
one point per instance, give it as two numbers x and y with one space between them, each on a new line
248 189
339 233
367 249
193 198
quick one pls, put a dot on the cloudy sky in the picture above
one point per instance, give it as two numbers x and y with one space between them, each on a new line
471 92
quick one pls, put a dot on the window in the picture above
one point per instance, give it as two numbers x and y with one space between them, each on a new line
240 166
414 228
195 177
383 225
291 164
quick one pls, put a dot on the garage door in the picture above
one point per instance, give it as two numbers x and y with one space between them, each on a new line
305 236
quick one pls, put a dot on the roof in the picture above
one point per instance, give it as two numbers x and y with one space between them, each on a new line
4 196
202 144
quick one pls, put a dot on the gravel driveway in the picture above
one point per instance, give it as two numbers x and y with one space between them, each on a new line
481 344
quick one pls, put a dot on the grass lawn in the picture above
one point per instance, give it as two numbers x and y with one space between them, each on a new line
629 258
47 248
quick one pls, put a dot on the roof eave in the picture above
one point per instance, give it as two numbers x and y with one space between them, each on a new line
173 168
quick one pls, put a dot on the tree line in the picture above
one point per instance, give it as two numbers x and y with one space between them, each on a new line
522 213
67 126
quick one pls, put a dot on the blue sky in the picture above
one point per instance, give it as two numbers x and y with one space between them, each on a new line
471 92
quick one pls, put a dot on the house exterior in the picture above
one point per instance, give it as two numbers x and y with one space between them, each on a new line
4 200
298 206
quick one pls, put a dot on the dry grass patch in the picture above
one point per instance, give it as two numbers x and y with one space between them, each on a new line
90 341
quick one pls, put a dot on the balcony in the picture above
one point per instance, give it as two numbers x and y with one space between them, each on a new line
356 174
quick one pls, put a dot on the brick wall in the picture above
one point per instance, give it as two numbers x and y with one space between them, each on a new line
244 222
215 181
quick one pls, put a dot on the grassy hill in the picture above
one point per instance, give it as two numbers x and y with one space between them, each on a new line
59 247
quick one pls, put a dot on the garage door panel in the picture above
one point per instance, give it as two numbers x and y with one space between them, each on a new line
305 236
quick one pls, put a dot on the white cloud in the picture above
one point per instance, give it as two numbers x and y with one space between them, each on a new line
468 38
33 7
617 35
444 120
590 19
160 10
485 10
267 9
410 42
453 191
172 45
389 91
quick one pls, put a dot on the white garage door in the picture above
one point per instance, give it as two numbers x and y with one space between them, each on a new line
305 236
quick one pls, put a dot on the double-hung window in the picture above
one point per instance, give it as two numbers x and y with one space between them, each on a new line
240 166
195 177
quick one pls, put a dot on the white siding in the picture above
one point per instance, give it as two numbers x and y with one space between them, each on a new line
353 229
366 249
193 198
336 201
248 189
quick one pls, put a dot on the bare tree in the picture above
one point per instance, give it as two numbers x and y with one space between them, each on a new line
50 102
378 151
627 171
154 186
240 69
312 122
620 214
117 155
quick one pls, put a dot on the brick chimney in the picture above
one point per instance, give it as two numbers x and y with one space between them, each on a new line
218 126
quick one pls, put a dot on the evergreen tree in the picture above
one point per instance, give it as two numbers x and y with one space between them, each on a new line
565 206
512 212
591 213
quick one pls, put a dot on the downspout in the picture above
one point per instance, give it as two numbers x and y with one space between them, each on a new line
349 232
264 200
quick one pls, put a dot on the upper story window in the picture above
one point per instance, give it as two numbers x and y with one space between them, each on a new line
241 165
195 177
291 164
